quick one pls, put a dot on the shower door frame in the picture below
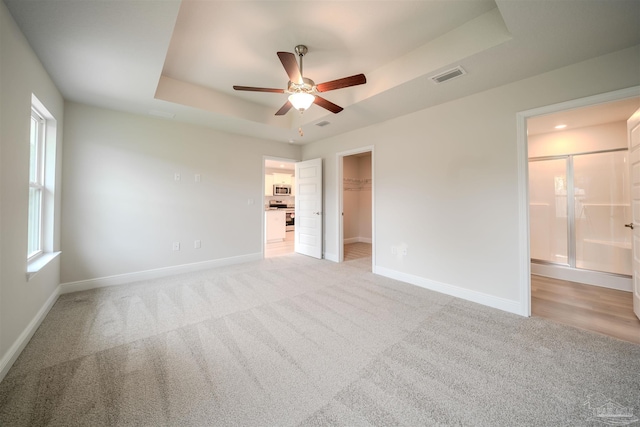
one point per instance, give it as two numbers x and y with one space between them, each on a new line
571 210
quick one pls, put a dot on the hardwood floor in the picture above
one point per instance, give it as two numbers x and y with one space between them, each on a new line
607 311
280 248
356 251
351 251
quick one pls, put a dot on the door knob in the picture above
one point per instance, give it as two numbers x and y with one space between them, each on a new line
630 225
316 213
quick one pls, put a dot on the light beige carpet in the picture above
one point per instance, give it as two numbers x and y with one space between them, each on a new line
295 341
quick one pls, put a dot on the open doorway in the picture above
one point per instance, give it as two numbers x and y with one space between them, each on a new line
579 194
279 203
355 181
579 203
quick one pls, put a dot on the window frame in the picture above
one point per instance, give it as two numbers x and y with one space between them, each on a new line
37 184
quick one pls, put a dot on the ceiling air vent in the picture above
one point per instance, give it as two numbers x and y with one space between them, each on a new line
322 123
448 75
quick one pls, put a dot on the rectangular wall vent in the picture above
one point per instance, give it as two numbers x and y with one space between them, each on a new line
448 75
322 123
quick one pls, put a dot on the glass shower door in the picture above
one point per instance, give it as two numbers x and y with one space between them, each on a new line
602 208
594 236
548 210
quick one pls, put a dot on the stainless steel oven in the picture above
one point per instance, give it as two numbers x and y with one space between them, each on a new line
290 219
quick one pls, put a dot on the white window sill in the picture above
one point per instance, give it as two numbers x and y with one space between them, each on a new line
34 266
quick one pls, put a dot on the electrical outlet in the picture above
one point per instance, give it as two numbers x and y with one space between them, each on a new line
176 246
403 252
197 244
176 176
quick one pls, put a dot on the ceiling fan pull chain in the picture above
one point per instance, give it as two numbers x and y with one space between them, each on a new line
298 122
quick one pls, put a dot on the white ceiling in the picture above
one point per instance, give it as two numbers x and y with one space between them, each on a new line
180 59
277 164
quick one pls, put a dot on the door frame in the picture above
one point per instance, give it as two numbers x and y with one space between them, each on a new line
339 193
263 243
523 178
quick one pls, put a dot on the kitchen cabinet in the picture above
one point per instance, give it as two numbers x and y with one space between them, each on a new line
282 178
268 185
275 225
278 178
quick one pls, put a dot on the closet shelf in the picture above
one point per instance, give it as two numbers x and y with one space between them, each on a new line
356 184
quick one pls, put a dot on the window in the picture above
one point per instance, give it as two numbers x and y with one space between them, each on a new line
41 246
36 184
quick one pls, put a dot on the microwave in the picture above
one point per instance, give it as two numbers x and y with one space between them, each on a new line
281 190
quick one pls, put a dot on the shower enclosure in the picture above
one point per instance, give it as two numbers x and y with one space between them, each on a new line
579 211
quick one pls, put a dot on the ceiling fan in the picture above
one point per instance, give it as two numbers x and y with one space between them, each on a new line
303 91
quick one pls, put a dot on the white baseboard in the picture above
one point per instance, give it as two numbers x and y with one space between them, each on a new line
21 342
588 277
122 279
357 240
467 294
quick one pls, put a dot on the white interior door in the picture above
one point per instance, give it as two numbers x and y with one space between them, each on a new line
308 229
633 126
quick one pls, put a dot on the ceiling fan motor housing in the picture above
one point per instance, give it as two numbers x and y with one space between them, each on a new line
307 86
301 50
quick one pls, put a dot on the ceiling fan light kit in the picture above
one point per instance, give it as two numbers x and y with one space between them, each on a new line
303 91
301 100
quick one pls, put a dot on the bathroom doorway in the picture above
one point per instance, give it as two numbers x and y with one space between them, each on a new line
580 242
579 200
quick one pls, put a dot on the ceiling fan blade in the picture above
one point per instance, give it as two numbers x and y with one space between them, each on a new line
258 89
328 105
284 109
358 79
290 65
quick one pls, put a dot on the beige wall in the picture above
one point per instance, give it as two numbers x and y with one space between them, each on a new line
589 138
21 301
123 208
451 173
